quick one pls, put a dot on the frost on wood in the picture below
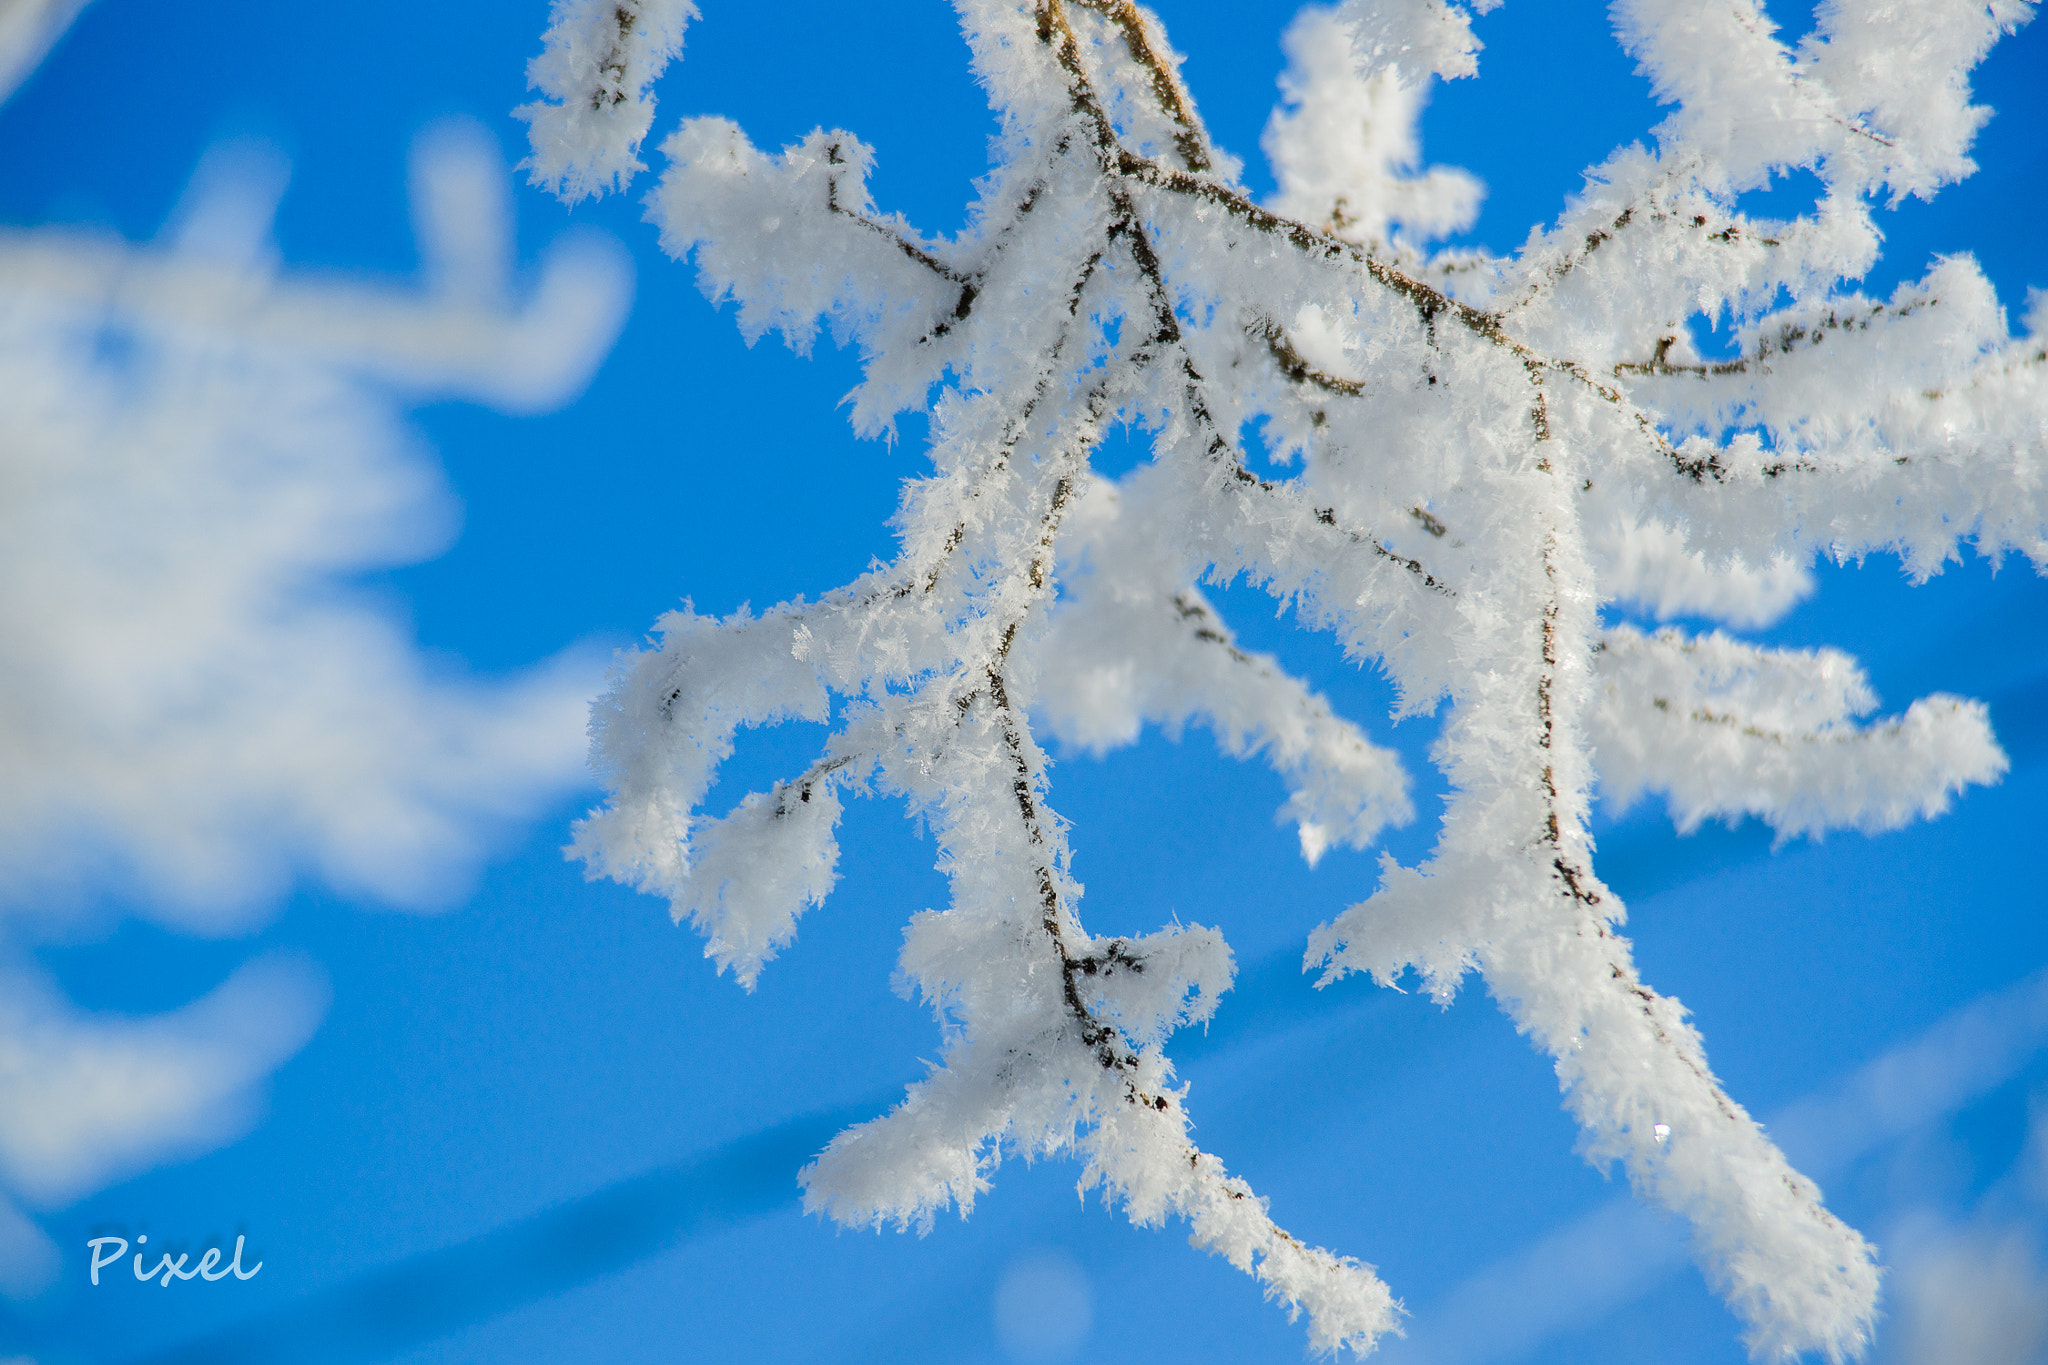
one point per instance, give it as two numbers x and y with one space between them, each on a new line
1489 449
599 59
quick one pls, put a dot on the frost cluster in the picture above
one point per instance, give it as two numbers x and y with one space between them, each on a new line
1488 450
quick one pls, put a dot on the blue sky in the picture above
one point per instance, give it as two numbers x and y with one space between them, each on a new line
532 1041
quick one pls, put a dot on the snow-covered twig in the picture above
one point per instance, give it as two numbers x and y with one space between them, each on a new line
1490 449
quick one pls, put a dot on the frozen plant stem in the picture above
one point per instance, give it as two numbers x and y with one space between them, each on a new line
1490 449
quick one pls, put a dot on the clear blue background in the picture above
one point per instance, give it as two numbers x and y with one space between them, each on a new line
546 1039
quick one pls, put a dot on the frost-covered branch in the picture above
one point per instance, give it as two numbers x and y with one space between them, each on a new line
1488 452
1727 729
464 337
1131 602
593 72
1345 153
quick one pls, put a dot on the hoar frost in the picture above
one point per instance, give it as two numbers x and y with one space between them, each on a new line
1489 449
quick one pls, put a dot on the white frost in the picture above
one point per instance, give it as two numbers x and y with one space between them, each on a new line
597 61
1488 451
